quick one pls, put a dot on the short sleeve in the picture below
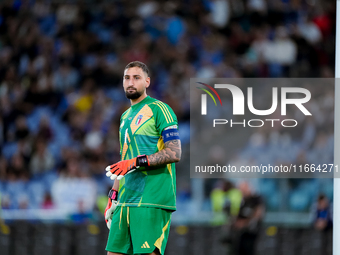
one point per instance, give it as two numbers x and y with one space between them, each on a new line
164 116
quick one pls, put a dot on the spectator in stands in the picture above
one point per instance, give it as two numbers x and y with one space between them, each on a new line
48 202
17 169
42 160
21 131
65 78
45 132
72 168
74 191
24 148
2 139
3 168
323 216
94 138
83 101
280 53
76 121
310 31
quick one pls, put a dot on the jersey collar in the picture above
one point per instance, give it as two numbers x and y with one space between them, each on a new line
141 102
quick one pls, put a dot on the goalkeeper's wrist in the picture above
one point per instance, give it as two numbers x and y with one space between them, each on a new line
113 194
142 160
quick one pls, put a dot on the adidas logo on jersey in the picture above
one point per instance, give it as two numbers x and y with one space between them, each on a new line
145 245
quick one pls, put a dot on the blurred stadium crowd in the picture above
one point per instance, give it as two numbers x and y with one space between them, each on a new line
61 71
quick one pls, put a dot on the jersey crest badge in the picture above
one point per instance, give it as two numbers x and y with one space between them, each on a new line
139 119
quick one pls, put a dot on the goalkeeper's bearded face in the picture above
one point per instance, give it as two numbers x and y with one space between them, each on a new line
135 82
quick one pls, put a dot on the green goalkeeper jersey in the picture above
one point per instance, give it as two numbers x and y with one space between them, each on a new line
140 132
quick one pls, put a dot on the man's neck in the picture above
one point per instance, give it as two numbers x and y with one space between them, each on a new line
139 99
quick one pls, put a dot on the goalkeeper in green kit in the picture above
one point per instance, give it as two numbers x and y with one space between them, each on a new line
143 195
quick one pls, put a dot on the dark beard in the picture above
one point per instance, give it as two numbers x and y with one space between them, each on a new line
134 95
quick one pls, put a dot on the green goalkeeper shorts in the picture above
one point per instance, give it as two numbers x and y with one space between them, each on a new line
138 230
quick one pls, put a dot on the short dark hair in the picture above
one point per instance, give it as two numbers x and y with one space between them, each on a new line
321 197
140 65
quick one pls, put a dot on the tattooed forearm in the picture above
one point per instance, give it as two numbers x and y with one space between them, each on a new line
162 157
175 146
170 154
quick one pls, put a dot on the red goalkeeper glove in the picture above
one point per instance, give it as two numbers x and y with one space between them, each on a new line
111 206
120 169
